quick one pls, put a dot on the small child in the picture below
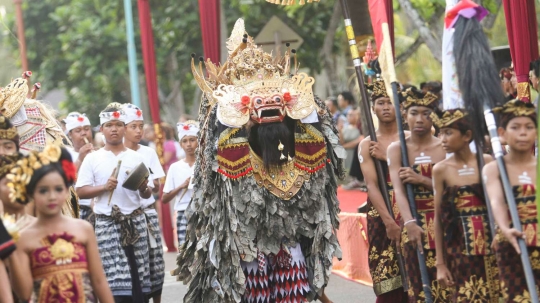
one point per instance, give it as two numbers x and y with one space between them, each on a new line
177 184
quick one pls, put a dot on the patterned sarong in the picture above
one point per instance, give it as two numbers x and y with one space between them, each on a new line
155 246
113 256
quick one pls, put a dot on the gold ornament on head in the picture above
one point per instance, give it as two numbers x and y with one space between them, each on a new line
253 84
12 96
21 174
7 133
377 89
515 108
412 98
448 118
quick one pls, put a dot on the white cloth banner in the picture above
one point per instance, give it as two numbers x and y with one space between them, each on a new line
451 93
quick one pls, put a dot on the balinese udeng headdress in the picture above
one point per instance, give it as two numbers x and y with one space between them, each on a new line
75 119
513 109
132 112
118 114
452 118
377 89
251 83
413 97
8 131
21 174
188 128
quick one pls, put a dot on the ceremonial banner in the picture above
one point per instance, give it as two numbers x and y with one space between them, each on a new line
451 94
210 20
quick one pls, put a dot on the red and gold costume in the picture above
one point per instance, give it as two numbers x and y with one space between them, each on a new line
513 286
467 242
60 271
426 211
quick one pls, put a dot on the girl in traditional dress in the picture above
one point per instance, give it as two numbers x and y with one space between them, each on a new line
57 258
518 129
463 239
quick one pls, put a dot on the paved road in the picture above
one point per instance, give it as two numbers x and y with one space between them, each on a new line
339 290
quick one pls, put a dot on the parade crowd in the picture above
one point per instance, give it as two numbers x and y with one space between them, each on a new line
451 212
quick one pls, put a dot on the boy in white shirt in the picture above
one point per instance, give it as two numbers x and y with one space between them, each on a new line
121 229
79 131
178 185
134 132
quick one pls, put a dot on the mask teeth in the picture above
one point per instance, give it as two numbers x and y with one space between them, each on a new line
302 2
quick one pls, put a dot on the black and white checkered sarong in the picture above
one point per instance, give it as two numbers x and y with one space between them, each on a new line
181 225
157 263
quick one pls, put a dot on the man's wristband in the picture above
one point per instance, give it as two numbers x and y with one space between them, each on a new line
410 221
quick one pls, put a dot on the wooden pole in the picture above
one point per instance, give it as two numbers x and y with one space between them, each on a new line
20 33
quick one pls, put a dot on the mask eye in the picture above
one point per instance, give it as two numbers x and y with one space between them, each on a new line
277 99
258 100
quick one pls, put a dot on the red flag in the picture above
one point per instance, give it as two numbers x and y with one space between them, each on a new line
381 11
521 26
210 21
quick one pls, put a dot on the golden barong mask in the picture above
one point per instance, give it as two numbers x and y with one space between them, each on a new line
252 84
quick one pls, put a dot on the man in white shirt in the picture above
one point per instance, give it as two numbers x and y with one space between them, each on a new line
178 185
134 132
121 229
79 131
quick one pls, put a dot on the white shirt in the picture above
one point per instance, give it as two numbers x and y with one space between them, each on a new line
151 160
97 168
178 173
74 157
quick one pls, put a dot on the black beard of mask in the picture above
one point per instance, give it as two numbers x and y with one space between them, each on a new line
267 137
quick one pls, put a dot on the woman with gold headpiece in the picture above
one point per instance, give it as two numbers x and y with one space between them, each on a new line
57 258
465 261
518 129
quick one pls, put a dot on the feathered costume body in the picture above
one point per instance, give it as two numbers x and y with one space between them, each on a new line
245 207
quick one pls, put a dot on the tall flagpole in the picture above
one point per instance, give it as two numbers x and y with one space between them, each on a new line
20 33
132 55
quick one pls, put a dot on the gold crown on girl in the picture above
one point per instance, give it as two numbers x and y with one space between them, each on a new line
253 84
21 174
449 118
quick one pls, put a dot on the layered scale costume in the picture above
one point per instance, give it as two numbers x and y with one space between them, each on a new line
261 230
467 235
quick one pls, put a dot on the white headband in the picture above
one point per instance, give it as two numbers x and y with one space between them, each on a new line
188 128
74 120
117 115
132 112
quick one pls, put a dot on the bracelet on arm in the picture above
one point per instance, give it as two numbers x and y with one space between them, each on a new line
410 221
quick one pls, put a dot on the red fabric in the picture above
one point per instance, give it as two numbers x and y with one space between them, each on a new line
381 11
210 28
166 224
521 26
149 58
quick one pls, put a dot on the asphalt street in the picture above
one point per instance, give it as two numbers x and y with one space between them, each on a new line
339 290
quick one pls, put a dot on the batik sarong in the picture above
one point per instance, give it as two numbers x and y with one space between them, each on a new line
155 246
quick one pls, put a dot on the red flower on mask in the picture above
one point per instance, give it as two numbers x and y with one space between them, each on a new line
287 97
116 115
70 170
186 127
81 119
245 100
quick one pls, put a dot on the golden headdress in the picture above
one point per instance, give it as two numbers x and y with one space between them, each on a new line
414 97
21 174
7 162
8 131
377 89
252 83
453 118
513 109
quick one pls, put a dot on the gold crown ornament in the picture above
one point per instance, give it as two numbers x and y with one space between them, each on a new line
515 108
452 118
252 84
411 97
21 174
7 133
377 89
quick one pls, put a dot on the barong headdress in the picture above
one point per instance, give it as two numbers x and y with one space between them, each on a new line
108 114
188 128
452 118
75 119
132 113
413 97
513 109
8 131
21 174
253 84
